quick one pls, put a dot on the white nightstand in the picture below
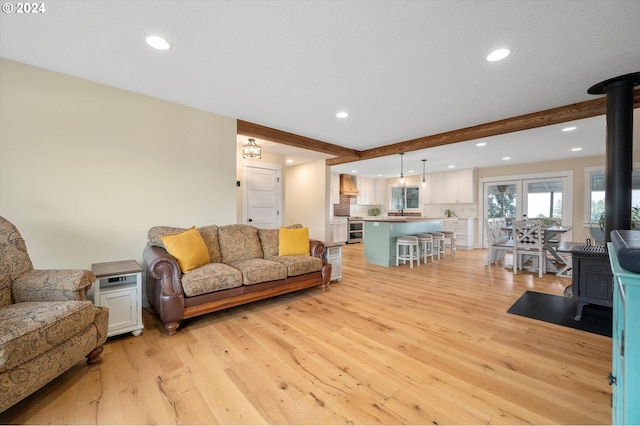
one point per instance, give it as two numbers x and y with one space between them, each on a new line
118 287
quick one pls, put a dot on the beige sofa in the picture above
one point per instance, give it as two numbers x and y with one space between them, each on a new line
244 266
47 324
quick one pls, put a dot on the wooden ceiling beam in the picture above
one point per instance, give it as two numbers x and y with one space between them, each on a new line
548 117
344 155
258 131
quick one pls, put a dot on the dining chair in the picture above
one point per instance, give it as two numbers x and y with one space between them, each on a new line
498 240
528 240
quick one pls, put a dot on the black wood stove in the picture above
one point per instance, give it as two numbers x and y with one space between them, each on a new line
592 279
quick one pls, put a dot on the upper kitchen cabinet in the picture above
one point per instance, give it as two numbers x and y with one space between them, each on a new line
451 187
459 186
381 191
434 190
371 191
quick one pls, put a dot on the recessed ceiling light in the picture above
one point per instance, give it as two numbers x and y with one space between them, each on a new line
576 149
412 171
342 114
452 167
498 54
158 43
354 171
289 161
481 144
506 158
569 129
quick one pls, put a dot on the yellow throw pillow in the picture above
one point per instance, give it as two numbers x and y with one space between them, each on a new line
293 242
188 247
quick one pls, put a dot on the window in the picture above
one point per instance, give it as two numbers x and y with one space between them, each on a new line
596 180
405 197
544 200
597 196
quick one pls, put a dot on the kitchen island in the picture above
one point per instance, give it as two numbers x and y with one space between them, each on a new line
380 235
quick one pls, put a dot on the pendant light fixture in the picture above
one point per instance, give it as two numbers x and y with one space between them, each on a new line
401 169
424 179
251 150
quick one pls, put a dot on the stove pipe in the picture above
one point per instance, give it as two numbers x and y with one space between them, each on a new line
619 150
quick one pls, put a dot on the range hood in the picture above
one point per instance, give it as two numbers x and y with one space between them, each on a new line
347 185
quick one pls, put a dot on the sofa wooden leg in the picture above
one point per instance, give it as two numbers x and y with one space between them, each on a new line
326 276
94 355
171 327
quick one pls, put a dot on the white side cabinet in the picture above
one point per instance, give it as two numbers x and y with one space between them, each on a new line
118 287
333 255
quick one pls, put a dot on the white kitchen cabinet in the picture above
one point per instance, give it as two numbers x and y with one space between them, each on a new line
370 191
451 187
364 190
381 191
467 186
465 231
459 186
340 229
434 191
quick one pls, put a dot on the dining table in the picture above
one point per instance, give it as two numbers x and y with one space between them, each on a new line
550 244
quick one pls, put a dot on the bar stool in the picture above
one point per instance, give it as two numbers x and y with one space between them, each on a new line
452 244
426 246
410 250
438 244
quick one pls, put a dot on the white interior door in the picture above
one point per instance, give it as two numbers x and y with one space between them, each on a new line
262 197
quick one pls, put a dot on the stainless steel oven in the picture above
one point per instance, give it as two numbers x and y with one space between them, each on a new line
356 230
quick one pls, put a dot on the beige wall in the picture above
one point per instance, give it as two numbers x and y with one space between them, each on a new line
87 169
307 201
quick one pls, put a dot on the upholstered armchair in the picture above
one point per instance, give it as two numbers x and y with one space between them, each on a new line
47 324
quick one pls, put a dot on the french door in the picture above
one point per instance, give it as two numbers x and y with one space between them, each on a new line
501 199
546 198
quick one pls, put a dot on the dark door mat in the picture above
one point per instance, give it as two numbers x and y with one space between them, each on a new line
561 310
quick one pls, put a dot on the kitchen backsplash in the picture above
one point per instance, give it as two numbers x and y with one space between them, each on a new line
462 211
348 208
341 209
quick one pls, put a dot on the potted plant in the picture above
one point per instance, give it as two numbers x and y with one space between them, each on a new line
597 232
635 218
450 213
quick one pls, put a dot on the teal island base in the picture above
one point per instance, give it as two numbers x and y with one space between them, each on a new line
380 237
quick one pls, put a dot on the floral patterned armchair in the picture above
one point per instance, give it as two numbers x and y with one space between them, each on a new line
47 324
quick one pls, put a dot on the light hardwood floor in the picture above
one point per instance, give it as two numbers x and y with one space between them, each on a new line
432 344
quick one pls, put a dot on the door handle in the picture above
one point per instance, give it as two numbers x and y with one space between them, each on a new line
250 220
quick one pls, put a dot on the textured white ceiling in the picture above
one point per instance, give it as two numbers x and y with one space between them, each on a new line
402 69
